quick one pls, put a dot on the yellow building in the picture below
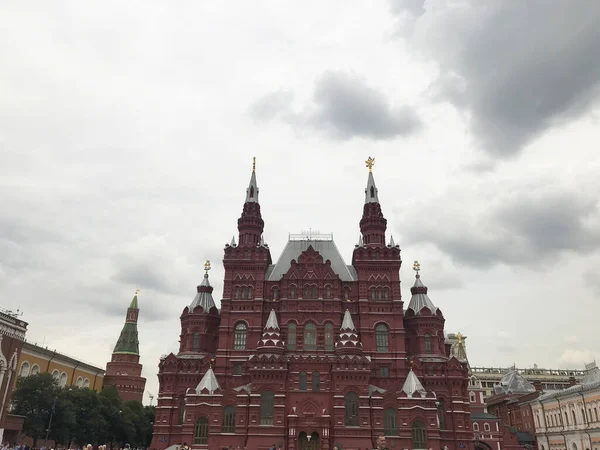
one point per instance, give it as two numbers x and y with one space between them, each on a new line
67 370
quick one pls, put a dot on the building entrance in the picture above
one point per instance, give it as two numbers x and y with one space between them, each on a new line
309 442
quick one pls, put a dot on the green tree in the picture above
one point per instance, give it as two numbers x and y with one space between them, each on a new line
35 398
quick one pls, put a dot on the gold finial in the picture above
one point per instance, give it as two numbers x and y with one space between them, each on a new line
460 338
137 291
212 362
411 364
254 164
370 162
207 266
417 267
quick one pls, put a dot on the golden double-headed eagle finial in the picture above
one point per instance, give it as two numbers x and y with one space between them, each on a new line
416 266
137 291
370 162
207 266
460 338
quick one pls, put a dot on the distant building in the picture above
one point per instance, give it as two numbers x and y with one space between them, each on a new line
12 337
510 403
487 433
67 370
124 371
570 419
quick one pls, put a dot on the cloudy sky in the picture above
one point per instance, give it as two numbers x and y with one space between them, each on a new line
127 131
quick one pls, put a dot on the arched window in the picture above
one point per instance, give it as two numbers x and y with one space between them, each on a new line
382 338
328 337
379 294
310 336
475 426
266 407
386 293
86 383
25 369
441 413
237 292
292 292
79 382
239 338
472 397
307 292
62 381
229 419
201 431
250 293
56 374
316 381
302 381
372 293
390 422
351 407
427 343
275 293
196 341
346 293
486 426
35 369
574 417
291 336
181 409
327 291
419 435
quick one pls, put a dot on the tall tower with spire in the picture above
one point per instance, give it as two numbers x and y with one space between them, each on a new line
124 370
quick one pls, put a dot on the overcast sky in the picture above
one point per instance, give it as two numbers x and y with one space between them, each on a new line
127 131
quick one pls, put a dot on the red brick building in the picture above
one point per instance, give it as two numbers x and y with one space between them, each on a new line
310 352
12 337
124 371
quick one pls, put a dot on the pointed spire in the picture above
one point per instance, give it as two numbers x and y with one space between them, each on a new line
392 243
128 342
232 241
348 341
420 299
209 384
271 337
371 190
372 224
262 241
252 191
412 385
204 297
360 241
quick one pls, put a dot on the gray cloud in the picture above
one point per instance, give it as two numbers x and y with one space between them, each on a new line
413 7
516 77
591 278
345 107
524 228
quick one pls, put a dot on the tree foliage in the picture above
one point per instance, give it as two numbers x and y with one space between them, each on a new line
80 415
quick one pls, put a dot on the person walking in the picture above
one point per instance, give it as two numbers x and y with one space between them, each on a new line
380 444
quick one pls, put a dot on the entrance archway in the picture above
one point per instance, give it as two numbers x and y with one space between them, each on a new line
309 442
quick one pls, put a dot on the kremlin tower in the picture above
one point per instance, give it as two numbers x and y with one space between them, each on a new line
124 371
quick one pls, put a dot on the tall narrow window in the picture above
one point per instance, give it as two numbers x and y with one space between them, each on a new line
292 292
229 419
266 407
328 292
346 293
314 292
181 409
316 381
441 412
351 407
310 336
307 292
386 293
196 341
237 292
250 293
328 337
244 293
419 435
390 422
427 343
275 293
382 338
372 293
291 336
239 339
472 397
475 426
201 431
372 192
302 381
486 427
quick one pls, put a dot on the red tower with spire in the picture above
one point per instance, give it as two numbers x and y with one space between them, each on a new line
124 371
311 352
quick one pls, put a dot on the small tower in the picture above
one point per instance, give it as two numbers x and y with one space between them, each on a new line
424 321
372 224
251 224
124 371
200 320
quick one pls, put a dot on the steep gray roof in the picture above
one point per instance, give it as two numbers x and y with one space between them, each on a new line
413 385
252 191
371 190
513 382
419 298
272 321
347 323
209 383
204 297
326 248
